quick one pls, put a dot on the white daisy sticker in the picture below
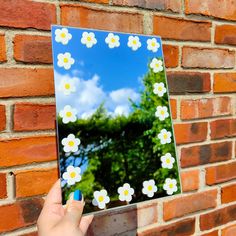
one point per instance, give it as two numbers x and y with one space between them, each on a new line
70 143
152 45
62 36
100 199
159 89
156 65
88 39
164 136
162 112
68 114
167 161
134 43
72 175
112 40
65 60
149 188
67 86
125 193
170 186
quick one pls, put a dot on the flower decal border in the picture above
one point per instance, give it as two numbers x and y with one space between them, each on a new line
70 144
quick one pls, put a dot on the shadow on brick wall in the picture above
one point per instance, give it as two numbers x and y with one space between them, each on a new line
124 220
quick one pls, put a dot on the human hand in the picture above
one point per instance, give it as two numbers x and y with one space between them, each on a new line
62 221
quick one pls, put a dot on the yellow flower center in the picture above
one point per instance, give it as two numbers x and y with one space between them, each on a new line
67 86
162 112
160 88
150 188
165 136
134 42
171 185
89 38
68 114
72 174
113 40
71 143
100 198
126 192
157 65
153 44
168 161
63 35
65 60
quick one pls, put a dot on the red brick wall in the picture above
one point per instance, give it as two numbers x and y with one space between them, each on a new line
199 45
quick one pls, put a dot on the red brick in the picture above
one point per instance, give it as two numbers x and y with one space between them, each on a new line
22 82
170 5
224 83
2 117
28 116
21 151
19 214
225 34
180 29
218 217
213 233
190 132
229 231
223 128
3 185
219 9
32 49
27 14
171 55
228 193
188 82
205 154
3 56
205 107
81 16
121 220
181 228
182 206
34 182
195 57
173 104
190 180
221 173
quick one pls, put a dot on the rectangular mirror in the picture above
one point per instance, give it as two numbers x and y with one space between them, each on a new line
115 133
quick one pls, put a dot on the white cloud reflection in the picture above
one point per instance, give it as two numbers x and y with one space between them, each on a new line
90 94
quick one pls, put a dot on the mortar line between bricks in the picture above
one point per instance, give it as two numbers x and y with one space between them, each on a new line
202 17
197 224
27 134
202 176
40 100
10 187
29 166
177 69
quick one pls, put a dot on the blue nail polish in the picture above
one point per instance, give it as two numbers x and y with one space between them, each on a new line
77 195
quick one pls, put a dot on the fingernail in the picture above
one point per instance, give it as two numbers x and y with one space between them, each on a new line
77 195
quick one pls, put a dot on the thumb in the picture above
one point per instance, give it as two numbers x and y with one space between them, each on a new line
74 208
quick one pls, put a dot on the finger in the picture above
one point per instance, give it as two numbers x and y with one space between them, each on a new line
85 223
74 209
54 195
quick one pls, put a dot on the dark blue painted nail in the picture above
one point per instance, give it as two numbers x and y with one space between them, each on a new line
77 195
